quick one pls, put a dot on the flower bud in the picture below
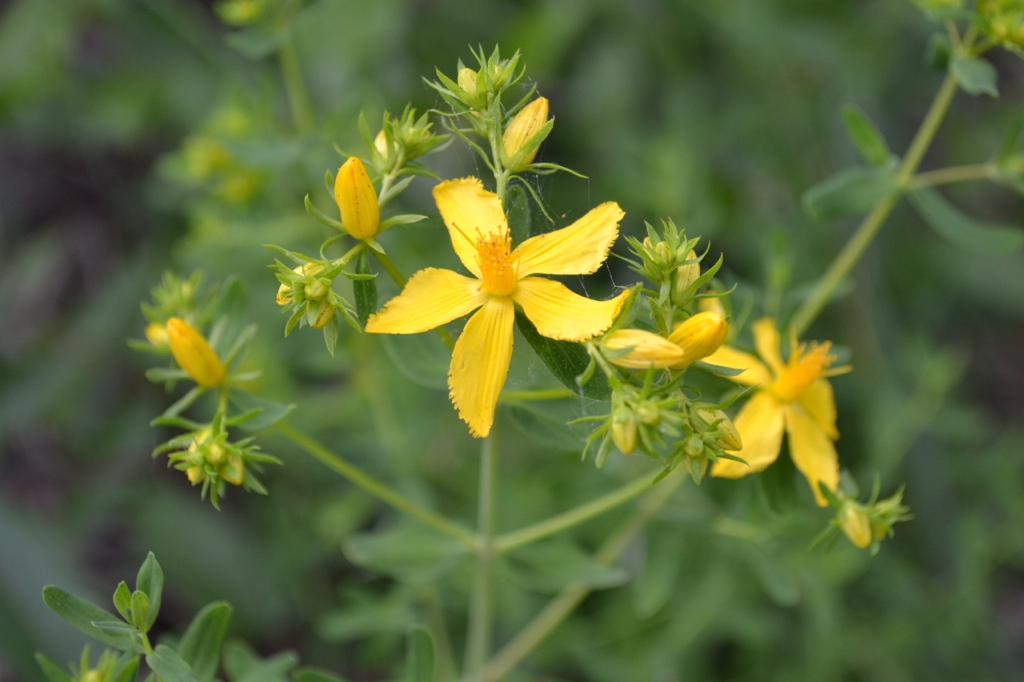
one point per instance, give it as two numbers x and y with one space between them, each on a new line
234 471
646 349
156 334
284 291
324 314
193 354
467 81
648 413
624 431
699 336
685 276
729 437
380 143
693 446
711 305
520 130
357 200
856 526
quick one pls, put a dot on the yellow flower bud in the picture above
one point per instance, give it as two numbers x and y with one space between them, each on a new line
234 471
193 354
686 274
646 349
624 432
324 314
156 334
699 336
729 438
520 129
856 526
357 199
693 446
195 474
467 81
380 143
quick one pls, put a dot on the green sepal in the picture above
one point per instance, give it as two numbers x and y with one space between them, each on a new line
201 644
365 290
565 360
316 215
961 229
402 219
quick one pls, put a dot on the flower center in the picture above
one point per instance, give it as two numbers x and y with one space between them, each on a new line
498 266
806 365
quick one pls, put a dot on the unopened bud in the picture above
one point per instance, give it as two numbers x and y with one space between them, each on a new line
357 200
646 349
685 276
648 413
380 143
324 314
693 446
234 471
624 431
699 336
284 291
521 130
729 437
156 334
193 354
856 526
467 81
92 676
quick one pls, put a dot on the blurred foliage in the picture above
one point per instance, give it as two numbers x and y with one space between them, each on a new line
136 136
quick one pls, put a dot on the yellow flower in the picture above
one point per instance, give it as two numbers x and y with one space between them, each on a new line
502 278
193 354
691 340
794 396
357 200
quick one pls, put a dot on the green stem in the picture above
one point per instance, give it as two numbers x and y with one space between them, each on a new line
478 638
539 394
569 598
573 517
874 220
379 490
294 85
946 176
400 280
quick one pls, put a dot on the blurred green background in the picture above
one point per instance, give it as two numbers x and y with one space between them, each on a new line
137 136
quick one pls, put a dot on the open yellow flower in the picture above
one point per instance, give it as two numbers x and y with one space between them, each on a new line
794 395
502 278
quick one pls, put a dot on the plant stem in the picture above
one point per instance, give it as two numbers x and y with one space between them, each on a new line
478 638
946 176
379 490
294 85
573 517
873 221
400 280
539 394
569 598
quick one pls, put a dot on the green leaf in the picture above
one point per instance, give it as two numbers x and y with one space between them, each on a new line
141 611
866 136
364 290
201 644
270 411
963 230
421 661
52 671
82 614
565 360
241 664
974 74
115 628
422 358
316 675
854 190
411 553
123 599
151 581
719 370
169 666
255 42
547 567
126 669
660 574
519 216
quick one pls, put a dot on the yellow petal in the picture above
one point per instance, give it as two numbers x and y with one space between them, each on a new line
820 403
646 349
760 427
768 344
431 298
470 212
560 314
812 451
579 249
756 373
193 354
480 364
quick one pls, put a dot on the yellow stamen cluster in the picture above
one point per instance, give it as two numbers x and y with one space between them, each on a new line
807 364
498 267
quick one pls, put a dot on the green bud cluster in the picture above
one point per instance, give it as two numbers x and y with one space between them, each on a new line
865 524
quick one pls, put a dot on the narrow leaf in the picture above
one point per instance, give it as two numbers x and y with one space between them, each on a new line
169 666
851 191
364 290
865 135
961 229
82 614
421 663
269 412
52 671
201 644
151 581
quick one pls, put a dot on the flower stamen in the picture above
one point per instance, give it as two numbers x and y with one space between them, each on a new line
498 266
807 364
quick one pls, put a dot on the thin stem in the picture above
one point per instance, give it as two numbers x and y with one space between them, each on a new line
946 176
539 394
874 220
478 638
573 517
295 85
379 490
350 254
400 280
569 598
